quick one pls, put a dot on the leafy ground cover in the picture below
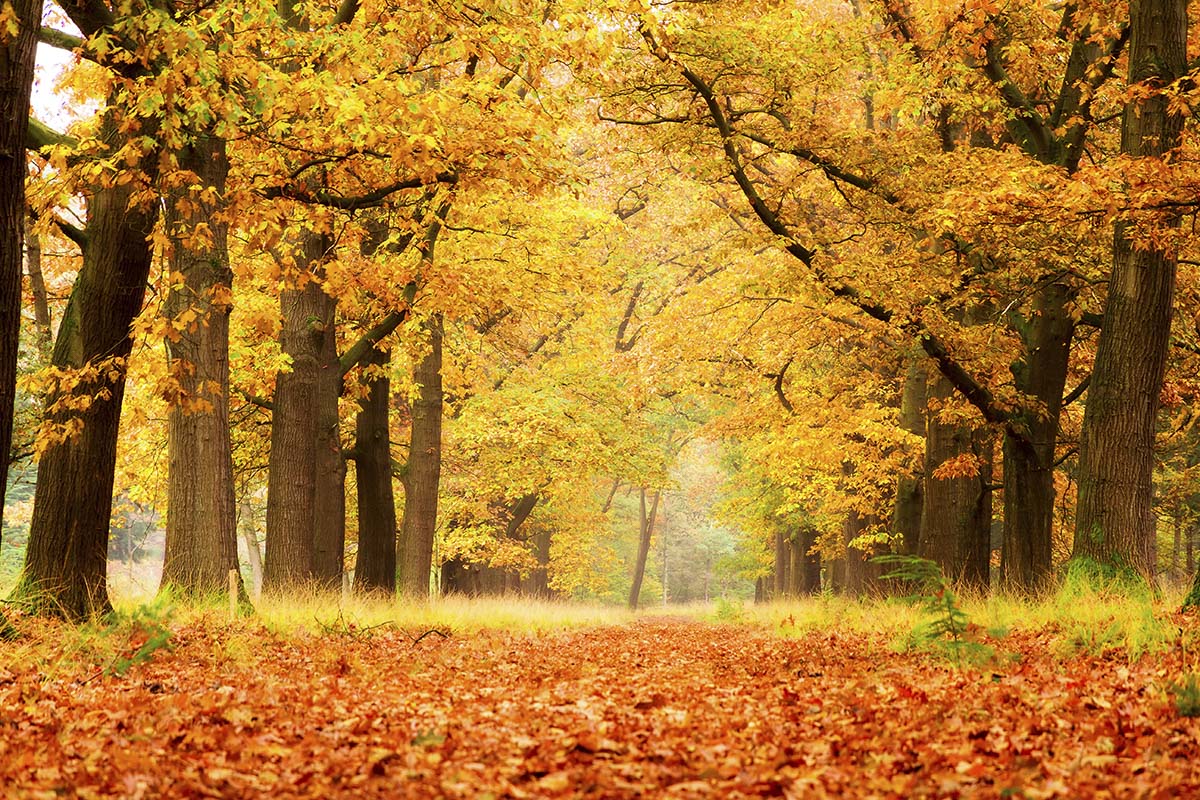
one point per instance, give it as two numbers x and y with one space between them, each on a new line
655 707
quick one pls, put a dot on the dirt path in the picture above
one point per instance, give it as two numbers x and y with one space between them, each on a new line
657 709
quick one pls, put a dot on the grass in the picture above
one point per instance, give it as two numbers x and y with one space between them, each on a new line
1082 616
314 612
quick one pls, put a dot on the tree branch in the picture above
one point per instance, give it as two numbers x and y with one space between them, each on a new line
1077 392
39 135
89 16
372 199
1028 118
60 39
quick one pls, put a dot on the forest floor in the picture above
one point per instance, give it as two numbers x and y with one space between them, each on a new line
656 707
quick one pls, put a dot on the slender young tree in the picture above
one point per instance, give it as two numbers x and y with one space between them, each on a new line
646 518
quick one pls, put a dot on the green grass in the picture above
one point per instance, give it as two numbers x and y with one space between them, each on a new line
315 612
1084 615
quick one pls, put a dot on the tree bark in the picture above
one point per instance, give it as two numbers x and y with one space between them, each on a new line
250 539
37 287
809 570
65 564
292 505
329 500
906 517
645 534
423 476
780 582
201 543
1025 559
17 56
860 576
956 516
539 581
1114 523
375 567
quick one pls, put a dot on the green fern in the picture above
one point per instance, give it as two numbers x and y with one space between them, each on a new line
947 629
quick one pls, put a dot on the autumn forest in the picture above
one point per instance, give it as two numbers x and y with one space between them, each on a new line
531 398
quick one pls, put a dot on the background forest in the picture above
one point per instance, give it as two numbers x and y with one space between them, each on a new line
670 301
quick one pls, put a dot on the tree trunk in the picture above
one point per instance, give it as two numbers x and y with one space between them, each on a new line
956 516
1025 559
1114 523
539 581
292 507
906 517
37 287
1191 552
17 55
375 568
329 500
779 585
65 564
860 575
645 533
201 544
810 562
246 529
423 476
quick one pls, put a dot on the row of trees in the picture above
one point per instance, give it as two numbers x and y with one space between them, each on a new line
509 258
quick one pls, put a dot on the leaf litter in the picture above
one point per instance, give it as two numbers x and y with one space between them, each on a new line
659 708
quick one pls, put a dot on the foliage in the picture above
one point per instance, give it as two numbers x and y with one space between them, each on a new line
1186 694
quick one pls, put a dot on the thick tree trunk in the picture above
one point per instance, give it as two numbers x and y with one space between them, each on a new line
645 534
17 56
539 581
810 562
956 517
906 516
782 556
65 563
860 575
1114 522
201 544
1025 560
292 506
329 500
423 476
375 568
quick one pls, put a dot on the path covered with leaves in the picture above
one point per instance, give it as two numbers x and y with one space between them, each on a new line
660 708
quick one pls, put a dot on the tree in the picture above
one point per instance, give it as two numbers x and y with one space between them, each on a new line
646 520
18 49
1114 524
201 544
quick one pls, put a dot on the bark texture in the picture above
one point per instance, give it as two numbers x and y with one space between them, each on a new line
292 480
1114 523
375 567
68 539
645 534
201 544
16 79
423 476
957 513
1025 560
906 516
